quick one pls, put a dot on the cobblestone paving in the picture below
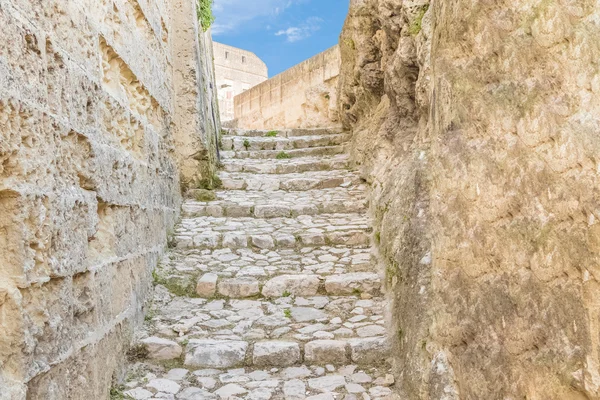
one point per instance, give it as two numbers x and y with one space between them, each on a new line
270 291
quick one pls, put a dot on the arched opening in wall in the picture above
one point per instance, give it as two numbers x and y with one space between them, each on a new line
226 55
243 59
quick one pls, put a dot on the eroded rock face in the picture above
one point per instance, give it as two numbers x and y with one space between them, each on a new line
89 183
477 124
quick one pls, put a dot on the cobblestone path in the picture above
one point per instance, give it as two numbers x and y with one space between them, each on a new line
270 291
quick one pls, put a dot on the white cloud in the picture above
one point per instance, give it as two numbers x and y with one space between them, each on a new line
303 31
234 14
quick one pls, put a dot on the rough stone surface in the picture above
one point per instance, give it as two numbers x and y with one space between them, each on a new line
215 353
162 349
471 122
91 110
362 282
207 285
297 285
239 287
325 351
275 353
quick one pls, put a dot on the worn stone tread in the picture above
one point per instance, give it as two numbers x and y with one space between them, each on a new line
269 233
263 204
287 166
273 154
283 132
290 182
242 143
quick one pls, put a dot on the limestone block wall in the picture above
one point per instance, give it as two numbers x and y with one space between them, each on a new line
89 182
476 123
237 70
304 96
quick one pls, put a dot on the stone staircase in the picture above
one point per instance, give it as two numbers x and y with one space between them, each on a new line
270 291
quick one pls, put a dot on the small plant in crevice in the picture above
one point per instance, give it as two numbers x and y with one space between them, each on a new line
416 26
116 393
210 183
287 313
283 156
327 96
150 315
205 13
246 144
286 294
137 353
272 134
400 334
350 43
205 196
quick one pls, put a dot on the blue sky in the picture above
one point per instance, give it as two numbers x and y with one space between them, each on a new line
282 33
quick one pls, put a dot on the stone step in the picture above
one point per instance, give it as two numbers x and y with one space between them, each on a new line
294 165
277 154
289 182
267 264
210 285
241 143
257 383
278 204
287 331
283 133
245 272
268 234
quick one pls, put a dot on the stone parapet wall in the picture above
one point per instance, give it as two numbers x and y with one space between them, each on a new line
89 183
304 96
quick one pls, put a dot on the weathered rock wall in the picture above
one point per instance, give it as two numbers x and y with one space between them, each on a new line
477 124
304 96
89 182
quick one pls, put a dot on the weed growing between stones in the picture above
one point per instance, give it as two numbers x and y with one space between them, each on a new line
175 285
137 353
116 393
416 25
246 144
283 156
287 313
210 183
204 196
272 134
150 315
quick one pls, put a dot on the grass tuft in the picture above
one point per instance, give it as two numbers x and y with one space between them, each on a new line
272 134
416 26
205 14
283 156
116 393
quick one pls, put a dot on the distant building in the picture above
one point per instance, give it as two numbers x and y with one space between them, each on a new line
236 71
